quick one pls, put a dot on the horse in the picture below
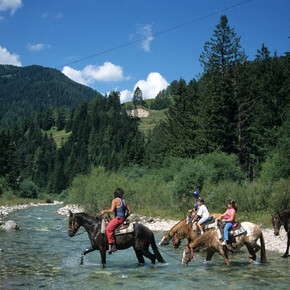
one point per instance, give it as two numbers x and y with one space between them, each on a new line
140 239
168 236
211 240
279 219
180 231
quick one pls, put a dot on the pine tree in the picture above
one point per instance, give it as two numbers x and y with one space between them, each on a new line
137 97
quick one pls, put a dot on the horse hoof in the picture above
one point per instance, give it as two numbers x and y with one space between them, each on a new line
285 256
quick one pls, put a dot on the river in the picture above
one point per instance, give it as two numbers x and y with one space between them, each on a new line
42 255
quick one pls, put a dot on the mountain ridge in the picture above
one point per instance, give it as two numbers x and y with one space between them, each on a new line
27 90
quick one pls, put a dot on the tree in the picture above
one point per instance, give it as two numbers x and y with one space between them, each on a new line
137 97
217 104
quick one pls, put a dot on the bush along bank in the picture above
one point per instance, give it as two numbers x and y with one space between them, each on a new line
167 191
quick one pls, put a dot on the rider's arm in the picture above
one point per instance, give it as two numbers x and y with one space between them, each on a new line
233 215
111 210
222 216
195 217
128 209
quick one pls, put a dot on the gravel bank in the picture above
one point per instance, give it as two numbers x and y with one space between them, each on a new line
156 224
5 210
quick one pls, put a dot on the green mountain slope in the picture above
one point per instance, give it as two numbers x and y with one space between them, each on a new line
26 90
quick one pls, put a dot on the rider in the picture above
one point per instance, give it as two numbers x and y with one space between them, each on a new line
203 213
196 206
119 206
229 219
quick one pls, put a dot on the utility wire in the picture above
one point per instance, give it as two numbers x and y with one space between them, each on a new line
155 34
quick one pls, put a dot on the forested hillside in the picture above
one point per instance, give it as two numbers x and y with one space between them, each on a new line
27 90
226 134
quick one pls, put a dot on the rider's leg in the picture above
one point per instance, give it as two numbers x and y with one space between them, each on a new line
110 232
226 232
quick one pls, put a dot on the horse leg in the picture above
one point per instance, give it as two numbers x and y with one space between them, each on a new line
252 252
225 256
288 242
209 255
90 249
139 256
103 256
149 255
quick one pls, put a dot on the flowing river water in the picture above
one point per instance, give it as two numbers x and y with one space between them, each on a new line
42 255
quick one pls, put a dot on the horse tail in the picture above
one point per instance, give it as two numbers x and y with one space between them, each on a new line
263 249
156 251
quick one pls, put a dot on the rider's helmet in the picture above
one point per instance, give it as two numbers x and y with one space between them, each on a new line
195 193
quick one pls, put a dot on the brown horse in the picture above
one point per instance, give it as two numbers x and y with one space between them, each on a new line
211 240
181 231
140 239
279 219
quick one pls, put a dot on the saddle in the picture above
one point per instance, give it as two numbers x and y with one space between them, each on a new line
211 223
236 230
122 229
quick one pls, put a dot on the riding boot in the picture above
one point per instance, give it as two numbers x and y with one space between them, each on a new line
114 248
110 249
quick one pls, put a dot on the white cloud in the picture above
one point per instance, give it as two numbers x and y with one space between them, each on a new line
37 46
7 58
146 32
125 96
108 72
75 75
10 5
57 15
150 87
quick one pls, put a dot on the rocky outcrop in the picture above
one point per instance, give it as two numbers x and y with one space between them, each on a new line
9 225
74 208
140 113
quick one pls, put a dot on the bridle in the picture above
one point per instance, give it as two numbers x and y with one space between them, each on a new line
74 227
191 255
277 220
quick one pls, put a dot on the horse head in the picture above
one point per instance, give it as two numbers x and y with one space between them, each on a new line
176 241
73 224
276 221
165 240
188 254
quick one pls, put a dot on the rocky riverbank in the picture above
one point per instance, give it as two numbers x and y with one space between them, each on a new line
5 210
156 224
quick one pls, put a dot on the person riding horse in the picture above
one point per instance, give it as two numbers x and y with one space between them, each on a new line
196 206
119 206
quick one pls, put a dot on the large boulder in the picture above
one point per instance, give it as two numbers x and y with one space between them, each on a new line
10 225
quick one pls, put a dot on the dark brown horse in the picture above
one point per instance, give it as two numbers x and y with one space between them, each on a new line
279 219
140 239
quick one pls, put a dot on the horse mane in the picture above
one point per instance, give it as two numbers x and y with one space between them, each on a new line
174 227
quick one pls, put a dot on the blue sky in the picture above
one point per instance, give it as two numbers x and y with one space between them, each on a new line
59 33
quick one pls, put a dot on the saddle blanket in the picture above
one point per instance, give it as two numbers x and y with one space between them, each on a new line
120 230
212 224
237 231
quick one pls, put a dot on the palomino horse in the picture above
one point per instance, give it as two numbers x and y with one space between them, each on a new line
212 242
180 231
279 219
140 239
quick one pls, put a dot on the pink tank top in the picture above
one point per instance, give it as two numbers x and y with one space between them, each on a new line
228 215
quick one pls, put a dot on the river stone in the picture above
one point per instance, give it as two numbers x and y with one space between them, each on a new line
10 225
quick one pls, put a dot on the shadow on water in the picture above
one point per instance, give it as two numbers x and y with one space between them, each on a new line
41 254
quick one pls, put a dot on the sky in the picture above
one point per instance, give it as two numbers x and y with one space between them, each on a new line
121 44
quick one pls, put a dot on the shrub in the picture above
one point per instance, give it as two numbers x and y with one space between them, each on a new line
28 189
